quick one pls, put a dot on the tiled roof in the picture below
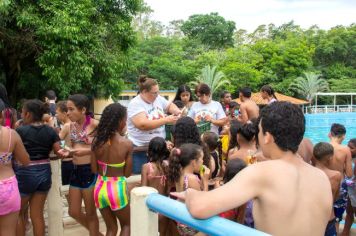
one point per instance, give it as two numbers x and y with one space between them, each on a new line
280 97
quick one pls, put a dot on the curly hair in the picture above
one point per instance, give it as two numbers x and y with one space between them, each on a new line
158 152
186 131
180 158
285 122
112 116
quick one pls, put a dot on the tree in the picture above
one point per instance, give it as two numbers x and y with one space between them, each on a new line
71 46
210 29
210 76
308 85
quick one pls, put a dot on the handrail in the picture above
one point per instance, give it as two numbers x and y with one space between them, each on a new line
216 226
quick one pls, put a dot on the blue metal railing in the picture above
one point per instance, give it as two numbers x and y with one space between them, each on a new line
215 226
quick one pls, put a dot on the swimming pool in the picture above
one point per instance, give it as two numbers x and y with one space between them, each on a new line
318 125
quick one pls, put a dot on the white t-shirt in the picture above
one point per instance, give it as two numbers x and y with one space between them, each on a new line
212 109
153 111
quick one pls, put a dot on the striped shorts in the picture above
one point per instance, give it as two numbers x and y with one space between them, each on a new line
111 192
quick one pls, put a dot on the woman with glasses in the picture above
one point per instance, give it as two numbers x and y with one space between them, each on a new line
146 119
206 109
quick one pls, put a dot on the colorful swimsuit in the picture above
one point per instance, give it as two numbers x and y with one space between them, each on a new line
10 200
110 191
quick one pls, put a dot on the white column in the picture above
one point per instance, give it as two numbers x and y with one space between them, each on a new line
143 221
55 201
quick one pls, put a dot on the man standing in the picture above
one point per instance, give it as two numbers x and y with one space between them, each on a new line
248 108
341 162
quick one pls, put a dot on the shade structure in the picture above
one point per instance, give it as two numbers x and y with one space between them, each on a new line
257 98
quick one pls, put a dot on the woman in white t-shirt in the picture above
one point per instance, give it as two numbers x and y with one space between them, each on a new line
146 119
206 109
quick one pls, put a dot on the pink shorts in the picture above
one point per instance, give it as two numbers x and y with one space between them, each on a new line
10 200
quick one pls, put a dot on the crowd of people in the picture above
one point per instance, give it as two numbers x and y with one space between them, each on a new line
252 166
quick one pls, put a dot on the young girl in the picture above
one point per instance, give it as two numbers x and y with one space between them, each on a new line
212 141
267 93
34 181
242 214
11 147
113 160
183 163
82 179
246 143
184 94
154 173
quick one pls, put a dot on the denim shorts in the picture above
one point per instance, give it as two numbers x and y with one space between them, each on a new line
82 177
138 160
67 169
34 178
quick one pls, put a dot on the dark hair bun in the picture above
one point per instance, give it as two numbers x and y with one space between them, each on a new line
142 79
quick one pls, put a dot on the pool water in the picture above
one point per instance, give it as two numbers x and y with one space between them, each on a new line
318 125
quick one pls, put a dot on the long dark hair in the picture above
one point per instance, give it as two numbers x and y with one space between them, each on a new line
186 131
158 152
3 96
233 167
234 126
109 123
180 158
181 89
269 90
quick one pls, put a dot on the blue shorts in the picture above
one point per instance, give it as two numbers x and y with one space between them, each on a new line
82 177
331 228
341 202
138 160
67 169
34 178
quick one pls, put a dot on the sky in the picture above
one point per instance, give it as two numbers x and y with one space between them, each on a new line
248 14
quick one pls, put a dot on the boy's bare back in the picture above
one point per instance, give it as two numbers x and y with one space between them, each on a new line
341 160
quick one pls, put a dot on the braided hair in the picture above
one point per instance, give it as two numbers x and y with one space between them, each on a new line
110 120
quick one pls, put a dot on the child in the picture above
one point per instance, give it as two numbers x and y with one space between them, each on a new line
283 189
242 214
11 148
153 173
213 143
323 153
184 95
247 143
183 163
82 179
112 154
34 181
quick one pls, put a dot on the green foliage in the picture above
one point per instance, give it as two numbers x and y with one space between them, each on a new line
71 46
308 85
210 76
210 29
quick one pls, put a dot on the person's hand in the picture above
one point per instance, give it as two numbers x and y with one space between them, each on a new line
197 119
171 118
206 174
180 195
63 153
170 145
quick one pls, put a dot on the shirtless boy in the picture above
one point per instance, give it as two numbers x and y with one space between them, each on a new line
323 154
341 162
248 108
290 197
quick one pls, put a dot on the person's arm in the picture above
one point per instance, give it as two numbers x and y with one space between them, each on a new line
20 152
242 117
243 187
348 163
93 163
128 161
64 131
141 122
173 109
335 185
220 122
144 173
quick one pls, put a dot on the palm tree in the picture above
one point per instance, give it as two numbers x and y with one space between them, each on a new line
209 75
308 85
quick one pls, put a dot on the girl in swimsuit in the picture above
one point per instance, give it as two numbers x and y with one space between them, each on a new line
11 147
112 159
183 163
82 179
213 142
154 173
